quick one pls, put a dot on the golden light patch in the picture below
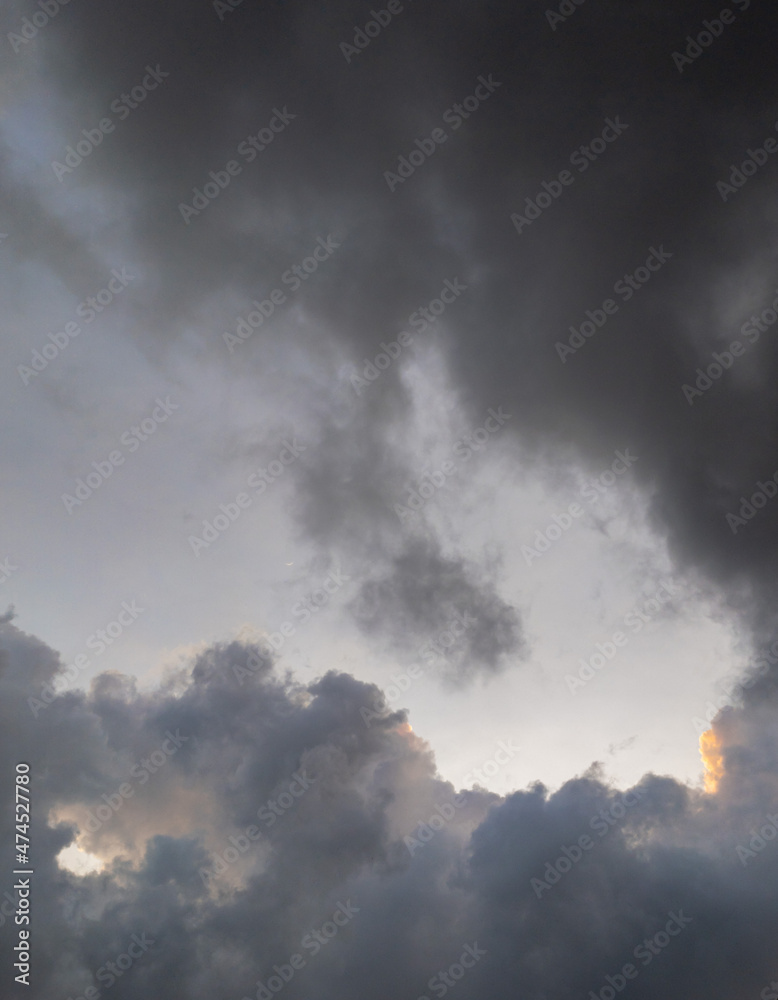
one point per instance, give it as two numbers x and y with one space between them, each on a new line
712 759
163 810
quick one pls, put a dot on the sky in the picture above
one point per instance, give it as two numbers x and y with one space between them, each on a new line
390 500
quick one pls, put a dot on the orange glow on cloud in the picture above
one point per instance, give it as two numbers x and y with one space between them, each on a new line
713 759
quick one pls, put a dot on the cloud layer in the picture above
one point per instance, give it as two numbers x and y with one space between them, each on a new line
236 812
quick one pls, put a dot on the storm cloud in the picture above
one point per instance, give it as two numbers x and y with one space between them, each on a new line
456 251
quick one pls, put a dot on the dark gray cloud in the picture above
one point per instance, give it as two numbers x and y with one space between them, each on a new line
437 608
552 91
551 892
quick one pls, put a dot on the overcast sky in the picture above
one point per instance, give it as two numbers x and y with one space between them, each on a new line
390 498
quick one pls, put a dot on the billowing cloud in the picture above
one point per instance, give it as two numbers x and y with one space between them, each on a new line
316 843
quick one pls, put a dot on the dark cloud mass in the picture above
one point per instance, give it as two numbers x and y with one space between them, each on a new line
426 592
366 862
655 186
419 869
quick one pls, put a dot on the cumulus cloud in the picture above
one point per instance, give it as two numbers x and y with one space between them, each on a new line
554 892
